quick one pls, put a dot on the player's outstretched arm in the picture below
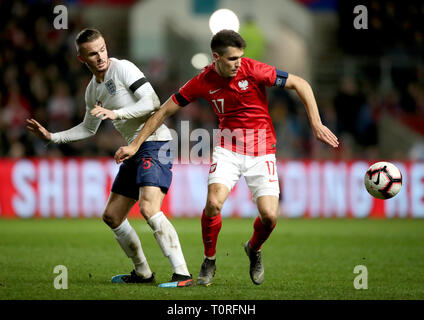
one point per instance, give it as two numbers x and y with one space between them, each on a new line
38 130
166 110
306 94
87 128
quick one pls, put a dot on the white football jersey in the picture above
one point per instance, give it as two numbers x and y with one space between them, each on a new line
122 90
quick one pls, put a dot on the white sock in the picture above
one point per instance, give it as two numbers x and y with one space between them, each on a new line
168 241
130 243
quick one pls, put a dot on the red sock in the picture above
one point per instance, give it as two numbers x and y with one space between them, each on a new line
210 230
260 234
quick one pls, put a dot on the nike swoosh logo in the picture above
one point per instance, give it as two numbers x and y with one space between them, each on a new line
259 276
212 92
272 180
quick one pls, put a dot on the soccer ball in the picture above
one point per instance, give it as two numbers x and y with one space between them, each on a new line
383 180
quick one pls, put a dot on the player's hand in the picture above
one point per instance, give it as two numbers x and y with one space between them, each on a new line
38 130
102 113
323 134
124 153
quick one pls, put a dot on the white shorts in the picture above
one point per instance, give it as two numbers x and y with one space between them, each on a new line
259 172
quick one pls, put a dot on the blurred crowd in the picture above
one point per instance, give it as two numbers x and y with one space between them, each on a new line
41 78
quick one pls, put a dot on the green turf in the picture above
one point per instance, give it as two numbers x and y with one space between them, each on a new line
304 259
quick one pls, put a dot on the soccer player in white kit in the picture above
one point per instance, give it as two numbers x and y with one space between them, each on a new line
120 92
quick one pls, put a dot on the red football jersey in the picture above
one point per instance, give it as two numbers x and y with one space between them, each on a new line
240 103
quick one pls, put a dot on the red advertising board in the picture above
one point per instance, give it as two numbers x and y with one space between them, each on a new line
79 187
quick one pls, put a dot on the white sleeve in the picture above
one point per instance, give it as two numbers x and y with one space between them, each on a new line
87 128
147 103
135 81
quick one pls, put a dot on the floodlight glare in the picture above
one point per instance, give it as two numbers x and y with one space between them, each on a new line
223 19
200 60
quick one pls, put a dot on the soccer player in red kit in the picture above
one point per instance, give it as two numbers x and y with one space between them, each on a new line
246 143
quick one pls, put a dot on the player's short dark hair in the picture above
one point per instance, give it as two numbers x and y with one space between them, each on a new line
87 35
226 38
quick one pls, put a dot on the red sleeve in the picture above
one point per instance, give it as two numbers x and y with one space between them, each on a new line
264 73
191 90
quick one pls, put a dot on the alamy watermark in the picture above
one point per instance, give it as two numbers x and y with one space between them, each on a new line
195 146
60 281
61 20
361 20
361 280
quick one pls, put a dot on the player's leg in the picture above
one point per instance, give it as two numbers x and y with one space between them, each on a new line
265 222
154 175
223 175
211 217
262 228
262 179
115 216
211 225
151 198
122 198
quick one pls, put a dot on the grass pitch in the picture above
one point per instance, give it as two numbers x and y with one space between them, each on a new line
304 259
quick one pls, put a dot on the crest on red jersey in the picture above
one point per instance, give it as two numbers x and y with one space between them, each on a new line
243 84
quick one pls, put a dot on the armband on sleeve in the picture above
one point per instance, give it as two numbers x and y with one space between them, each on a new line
137 84
280 80
181 101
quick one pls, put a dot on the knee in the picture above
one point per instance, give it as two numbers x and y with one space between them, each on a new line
111 220
147 208
213 207
268 218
